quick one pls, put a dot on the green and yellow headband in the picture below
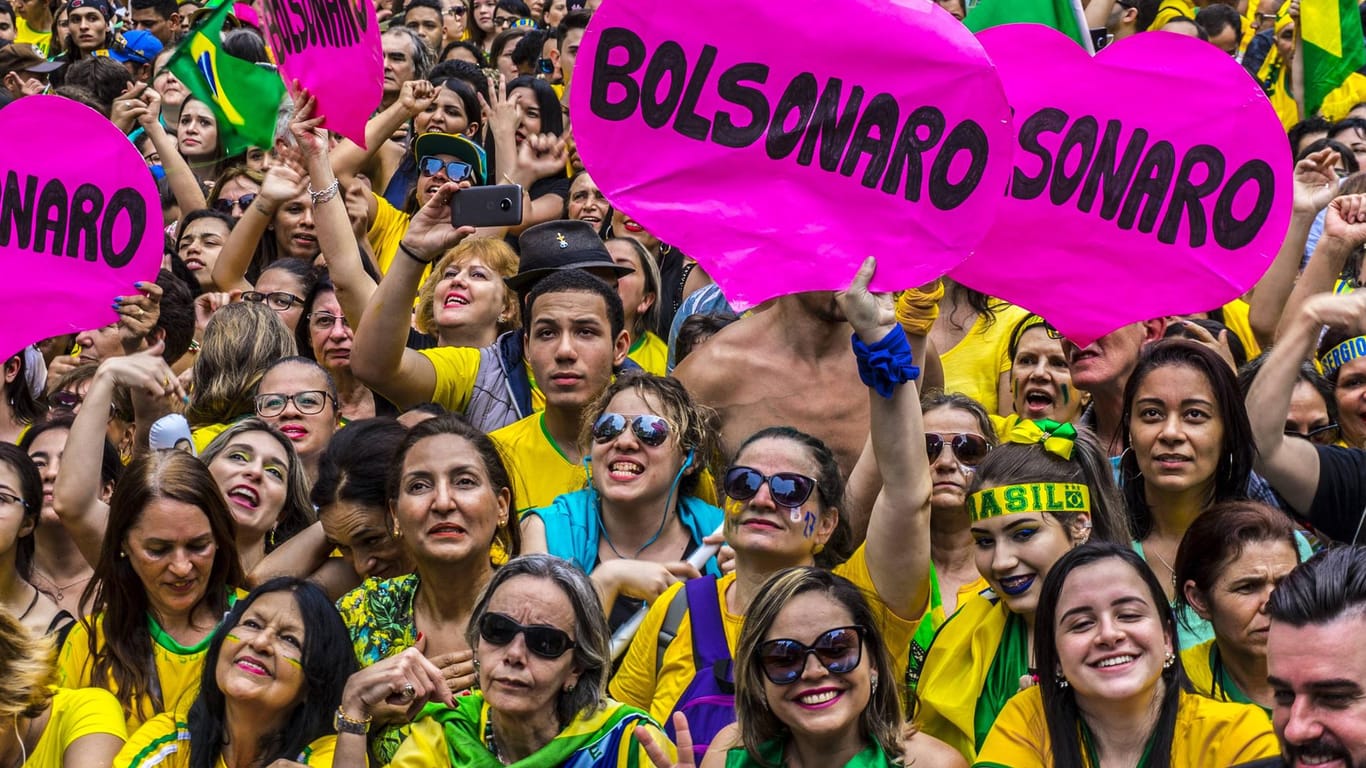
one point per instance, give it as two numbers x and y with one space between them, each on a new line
1343 354
1029 497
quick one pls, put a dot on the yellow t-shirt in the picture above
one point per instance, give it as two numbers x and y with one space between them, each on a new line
637 683
1208 733
75 713
23 33
456 370
178 669
539 471
205 435
386 231
650 353
164 742
1235 317
1171 9
975 364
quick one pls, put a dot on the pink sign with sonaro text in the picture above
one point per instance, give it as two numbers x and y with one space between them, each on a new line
1151 180
332 48
780 155
77 228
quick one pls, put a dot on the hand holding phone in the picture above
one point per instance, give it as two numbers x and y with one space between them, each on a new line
499 205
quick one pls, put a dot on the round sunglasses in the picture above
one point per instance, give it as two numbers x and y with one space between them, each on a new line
650 429
968 449
840 650
787 489
546 642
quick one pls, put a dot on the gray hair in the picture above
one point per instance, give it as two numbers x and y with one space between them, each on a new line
422 55
592 654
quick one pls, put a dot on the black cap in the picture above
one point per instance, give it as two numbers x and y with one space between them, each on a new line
558 245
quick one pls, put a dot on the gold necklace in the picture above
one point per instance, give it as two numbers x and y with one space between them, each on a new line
59 590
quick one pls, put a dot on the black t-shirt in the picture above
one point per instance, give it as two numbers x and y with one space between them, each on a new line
1340 499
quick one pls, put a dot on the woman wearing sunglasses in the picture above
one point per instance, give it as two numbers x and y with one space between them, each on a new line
809 685
632 531
541 656
1043 491
784 492
450 506
958 435
1110 689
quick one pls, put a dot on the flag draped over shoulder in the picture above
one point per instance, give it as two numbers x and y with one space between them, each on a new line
1333 47
1066 16
244 96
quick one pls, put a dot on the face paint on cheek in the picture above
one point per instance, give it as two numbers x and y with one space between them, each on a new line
1066 391
734 508
796 515
298 663
810 525
234 638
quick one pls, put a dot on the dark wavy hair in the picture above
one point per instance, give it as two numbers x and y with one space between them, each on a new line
30 493
116 594
1061 713
829 488
328 660
1237 451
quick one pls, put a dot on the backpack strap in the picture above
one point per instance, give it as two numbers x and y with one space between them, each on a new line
709 647
673 619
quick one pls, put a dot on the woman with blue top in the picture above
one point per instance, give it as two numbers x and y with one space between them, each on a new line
1230 560
1188 446
634 526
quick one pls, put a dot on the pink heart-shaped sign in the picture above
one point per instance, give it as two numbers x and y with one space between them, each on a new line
80 220
1153 179
780 155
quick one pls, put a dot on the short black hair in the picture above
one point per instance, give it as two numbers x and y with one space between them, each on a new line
1349 158
1311 124
1326 587
515 6
7 10
528 49
1215 16
428 4
574 20
164 8
177 315
474 50
101 76
577 281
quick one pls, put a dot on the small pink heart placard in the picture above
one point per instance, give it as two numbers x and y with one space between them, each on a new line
79 223
1153 179
779 155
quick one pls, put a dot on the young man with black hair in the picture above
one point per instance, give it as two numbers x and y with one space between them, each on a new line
160 17
425 18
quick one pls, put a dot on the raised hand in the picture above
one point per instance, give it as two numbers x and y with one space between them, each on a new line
871 314
430 232
1346 220
416 96
138 315
1315 181
659 755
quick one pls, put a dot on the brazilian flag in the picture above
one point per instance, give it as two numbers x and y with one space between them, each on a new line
245 97
1333 47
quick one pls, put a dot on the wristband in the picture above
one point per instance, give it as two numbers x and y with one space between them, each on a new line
886 364
325 194
344 723
410 253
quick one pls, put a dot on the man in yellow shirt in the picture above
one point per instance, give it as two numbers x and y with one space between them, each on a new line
33 24
574 338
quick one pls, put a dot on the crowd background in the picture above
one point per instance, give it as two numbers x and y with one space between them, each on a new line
351 483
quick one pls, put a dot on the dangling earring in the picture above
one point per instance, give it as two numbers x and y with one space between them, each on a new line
398 532
270 538
874 681
1170 660
1061 681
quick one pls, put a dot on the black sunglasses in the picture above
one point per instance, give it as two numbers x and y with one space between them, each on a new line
1327 434
788 489
546 642
226 204
840 650
968 449
648 428
455 169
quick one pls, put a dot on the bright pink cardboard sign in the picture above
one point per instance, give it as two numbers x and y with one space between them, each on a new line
1154 179
779 155
77 228
332 48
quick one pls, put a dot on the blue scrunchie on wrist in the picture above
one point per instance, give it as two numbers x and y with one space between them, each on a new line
886 364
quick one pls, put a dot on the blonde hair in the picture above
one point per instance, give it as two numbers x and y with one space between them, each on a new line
240 342
28 669
496 255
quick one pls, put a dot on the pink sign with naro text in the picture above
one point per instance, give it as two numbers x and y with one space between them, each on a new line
332 48
780 155
1151 180
76 228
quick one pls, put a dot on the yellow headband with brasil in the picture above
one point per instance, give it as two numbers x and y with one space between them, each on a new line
1342 354
1029 497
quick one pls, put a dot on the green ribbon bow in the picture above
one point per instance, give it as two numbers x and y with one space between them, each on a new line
1057 438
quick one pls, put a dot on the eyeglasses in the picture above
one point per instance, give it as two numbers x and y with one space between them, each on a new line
226 204
65 401
456 10
788 489
546 642
840 650
308 402
455 169
9 498
326 321
648 428
967 448
278 300
507 22
1327 434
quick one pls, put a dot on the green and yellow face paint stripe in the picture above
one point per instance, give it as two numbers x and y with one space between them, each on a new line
1029 497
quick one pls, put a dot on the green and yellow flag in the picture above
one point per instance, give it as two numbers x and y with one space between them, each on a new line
244 96
1333 47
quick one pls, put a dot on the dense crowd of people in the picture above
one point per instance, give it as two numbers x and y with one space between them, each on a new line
351 483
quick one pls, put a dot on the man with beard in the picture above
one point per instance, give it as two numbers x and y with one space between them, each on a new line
1316 662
